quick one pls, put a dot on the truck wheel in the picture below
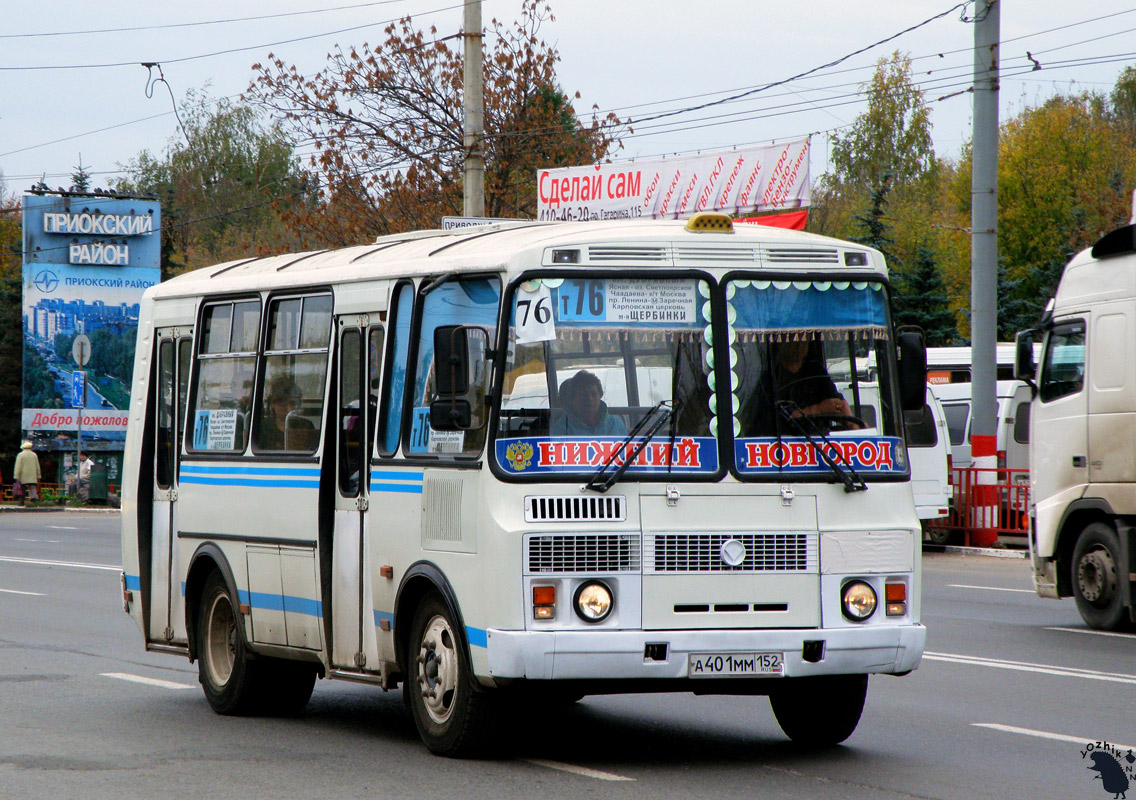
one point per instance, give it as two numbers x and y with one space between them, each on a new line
1096 586
452 714
821 711
227 677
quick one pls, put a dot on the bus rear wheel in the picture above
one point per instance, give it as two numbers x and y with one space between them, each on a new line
452 714
821 711
1096 586
227 676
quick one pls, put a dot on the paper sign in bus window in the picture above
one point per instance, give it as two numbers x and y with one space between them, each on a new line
627 300
533 316
215 429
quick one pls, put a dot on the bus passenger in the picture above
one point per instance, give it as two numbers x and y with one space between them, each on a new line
281 428
585 413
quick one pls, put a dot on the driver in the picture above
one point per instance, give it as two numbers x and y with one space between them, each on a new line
797 374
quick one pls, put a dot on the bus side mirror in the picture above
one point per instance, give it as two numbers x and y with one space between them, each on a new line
1023 356
460 377
451 360
912 369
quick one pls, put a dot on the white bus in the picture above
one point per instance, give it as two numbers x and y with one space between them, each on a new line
365 464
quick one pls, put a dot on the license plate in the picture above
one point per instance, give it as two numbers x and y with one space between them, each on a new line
720 665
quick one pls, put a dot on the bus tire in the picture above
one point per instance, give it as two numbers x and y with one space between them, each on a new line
453 715
227 677
1095 578
821 711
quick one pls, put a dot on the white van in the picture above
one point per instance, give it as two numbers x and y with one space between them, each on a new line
927 447
1013 403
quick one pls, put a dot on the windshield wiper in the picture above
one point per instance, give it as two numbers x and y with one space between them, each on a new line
848 476
597 482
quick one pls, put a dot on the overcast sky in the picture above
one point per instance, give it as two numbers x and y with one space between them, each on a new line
636 57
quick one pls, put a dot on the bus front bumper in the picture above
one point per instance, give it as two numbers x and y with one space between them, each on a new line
584 655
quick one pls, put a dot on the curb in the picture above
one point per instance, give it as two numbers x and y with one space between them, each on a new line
990 552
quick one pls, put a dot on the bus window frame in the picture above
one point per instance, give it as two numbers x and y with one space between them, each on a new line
262 355
390 325
195 370
821 474
472 460
720 371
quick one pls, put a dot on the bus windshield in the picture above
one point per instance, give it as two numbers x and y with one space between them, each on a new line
812 367
589 359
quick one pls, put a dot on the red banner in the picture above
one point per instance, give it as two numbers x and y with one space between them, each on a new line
793 220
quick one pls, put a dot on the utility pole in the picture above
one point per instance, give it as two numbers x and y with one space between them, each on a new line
473 106
984 261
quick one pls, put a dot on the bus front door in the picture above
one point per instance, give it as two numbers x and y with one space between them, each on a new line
352 638
167 612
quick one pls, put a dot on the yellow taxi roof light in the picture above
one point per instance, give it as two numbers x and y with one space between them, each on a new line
710 222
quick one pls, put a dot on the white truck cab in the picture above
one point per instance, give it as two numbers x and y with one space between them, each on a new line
1083 448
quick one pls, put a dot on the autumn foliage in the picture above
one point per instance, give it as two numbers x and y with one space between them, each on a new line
386 125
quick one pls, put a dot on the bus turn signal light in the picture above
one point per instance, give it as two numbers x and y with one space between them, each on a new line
544 602
895 595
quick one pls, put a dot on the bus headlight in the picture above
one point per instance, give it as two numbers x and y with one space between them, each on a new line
593 601
858 601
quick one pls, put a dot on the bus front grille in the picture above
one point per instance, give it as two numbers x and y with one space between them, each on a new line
575 509
704 552
593 553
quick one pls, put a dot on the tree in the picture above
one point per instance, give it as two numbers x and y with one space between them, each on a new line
81 177
387 127
920 298
873 225
11 327
892 136
221 186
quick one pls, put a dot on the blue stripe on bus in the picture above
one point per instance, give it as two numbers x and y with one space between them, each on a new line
397 475
414 488
476 637
134 583
193 469
279 602
383 615
279 484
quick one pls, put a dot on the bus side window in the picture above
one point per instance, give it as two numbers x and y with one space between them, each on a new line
290 414
390 421
226 363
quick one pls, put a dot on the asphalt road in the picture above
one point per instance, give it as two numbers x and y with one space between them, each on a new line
1011 690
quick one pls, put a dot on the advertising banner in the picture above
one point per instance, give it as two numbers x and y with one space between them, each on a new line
734 181
87 261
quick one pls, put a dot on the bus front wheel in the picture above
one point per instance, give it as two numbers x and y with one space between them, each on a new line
1096 587
821 711
451 713
226 674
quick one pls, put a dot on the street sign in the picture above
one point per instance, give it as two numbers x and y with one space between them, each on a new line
453 223
78 389
81 350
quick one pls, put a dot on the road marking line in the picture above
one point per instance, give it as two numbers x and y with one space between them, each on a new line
1128 636
17 591
1060 737
1023 666
38 541
63 527
45 563
126 676
586 772
991 588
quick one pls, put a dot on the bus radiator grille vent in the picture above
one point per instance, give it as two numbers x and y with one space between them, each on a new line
809 255
632 255
703 552
592 553
700 256
575 509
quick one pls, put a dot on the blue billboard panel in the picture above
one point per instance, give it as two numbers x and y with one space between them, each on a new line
87 261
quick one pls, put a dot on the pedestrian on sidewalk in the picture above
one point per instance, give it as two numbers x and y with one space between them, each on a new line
25 474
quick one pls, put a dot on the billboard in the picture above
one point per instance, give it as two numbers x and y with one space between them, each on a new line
87 261
738 181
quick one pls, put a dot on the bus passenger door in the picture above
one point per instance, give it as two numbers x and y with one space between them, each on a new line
360 349
167 612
